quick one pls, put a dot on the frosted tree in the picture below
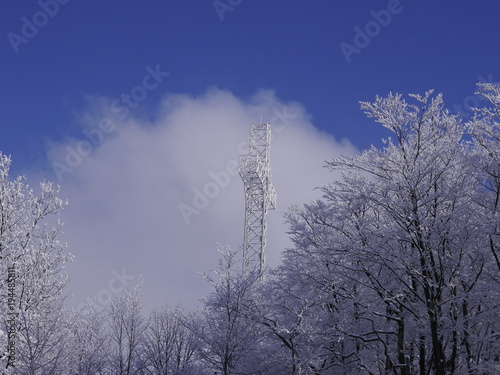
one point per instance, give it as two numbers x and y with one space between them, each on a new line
485 130
90 342
32 259
291 320
404 235
169 346
228 334
317 275
127 328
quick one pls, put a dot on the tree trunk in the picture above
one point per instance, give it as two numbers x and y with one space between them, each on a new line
401 347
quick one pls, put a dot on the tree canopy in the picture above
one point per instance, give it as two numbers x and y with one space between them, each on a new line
395 270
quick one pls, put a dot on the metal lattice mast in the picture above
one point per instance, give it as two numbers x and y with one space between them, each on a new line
260 196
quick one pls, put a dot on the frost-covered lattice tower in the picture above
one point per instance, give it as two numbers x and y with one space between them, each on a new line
260 196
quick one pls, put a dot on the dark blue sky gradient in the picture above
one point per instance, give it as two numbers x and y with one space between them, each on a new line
292 46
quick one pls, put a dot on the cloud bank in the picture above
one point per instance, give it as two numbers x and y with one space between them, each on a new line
152 195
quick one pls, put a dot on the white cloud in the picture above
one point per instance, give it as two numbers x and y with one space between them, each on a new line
125 194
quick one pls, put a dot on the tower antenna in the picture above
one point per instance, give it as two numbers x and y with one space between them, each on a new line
260 196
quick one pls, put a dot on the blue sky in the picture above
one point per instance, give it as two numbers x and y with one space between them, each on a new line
254 59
